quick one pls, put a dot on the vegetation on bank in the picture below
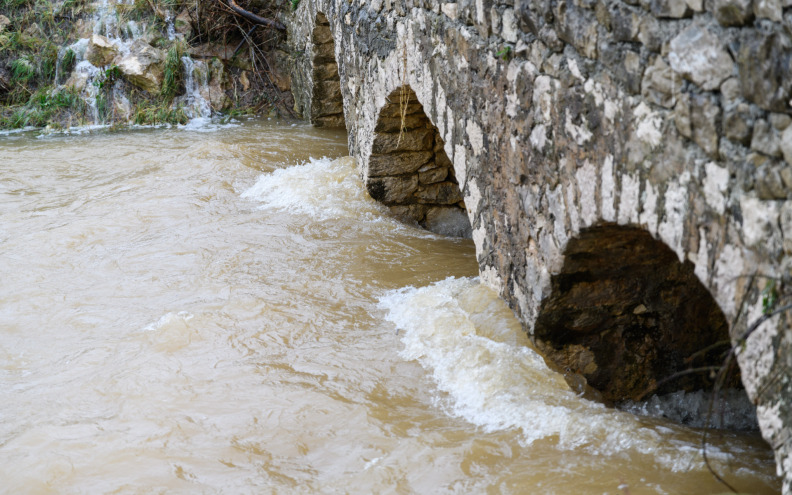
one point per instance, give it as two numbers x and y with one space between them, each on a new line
38 86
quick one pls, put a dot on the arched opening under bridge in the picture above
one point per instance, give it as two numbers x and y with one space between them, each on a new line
409 170
626 315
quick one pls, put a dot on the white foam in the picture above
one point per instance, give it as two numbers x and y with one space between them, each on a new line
455 330
321 188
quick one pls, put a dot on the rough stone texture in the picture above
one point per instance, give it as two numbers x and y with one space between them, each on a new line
143 66
101 51
569 130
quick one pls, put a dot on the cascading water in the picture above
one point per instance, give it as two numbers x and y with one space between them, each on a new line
196 81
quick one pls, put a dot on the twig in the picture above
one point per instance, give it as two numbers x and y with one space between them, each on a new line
253 17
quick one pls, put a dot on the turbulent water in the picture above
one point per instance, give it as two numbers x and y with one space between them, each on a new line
228 312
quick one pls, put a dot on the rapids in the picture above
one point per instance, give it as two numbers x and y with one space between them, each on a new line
229 312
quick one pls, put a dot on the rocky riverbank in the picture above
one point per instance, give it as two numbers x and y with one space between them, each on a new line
74 63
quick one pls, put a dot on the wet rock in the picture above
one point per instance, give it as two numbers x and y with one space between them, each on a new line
765 64
101 51
182 24
143 66
732 12
392 190
700 57
451 221
417 140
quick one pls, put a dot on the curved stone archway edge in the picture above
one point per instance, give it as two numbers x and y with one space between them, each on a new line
559 118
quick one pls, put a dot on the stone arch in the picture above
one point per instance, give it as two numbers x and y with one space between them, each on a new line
409 171
327 105
624 314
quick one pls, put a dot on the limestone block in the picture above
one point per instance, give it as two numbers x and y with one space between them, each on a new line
780 121
323 35
328 107
768 9
682 116
625 23
392 190
325 72
700 57
328 89
738 123
100 51
661 84
398 163
394 124
766 69
732 12
769 183
765 139
705 115
450 9
143 66
417 140
442 193
674 9
786 144
324 52
432 175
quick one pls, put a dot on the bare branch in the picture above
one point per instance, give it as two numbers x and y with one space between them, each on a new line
253 17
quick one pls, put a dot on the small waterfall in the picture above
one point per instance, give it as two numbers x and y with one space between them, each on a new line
196 80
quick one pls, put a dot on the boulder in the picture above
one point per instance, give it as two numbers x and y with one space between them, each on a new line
100 51
143 66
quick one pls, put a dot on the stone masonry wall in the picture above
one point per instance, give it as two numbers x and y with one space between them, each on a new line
668 116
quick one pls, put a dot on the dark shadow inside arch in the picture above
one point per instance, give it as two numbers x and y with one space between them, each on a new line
409 170
327 105
625 314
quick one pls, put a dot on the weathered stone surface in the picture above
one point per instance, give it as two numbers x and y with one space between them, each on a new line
448 221
765 63
392 190
555 138
432 175
670 8
768 9
398 163
143 66
101 51
661 84
442 193
700 57
705 118
417 140
732 12
764 139
786 144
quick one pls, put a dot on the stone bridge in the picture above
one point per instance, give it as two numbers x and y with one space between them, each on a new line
624 168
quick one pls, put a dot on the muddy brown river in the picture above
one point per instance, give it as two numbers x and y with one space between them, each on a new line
224 310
